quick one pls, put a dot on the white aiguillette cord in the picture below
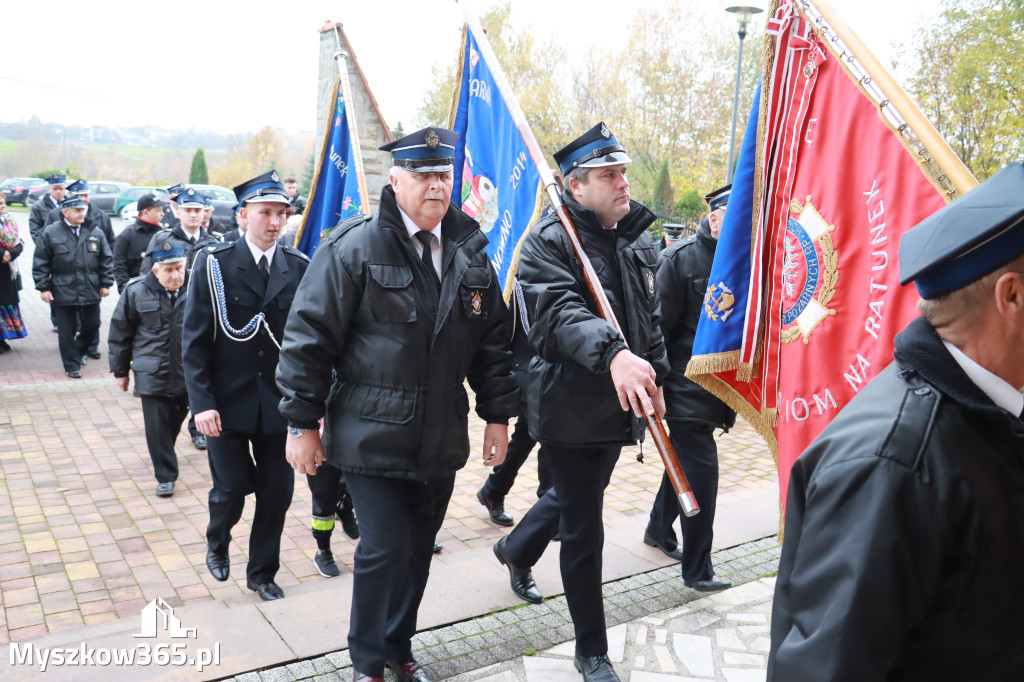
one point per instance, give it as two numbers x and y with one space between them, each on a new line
220 313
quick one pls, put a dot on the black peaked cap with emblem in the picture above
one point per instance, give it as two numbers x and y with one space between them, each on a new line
595 148
262 188
431 150
967 239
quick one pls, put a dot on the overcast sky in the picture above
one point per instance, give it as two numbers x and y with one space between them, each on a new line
237 66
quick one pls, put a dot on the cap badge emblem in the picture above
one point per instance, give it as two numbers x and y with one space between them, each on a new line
259 192
605 133
167 246
432 139
191 192
274 177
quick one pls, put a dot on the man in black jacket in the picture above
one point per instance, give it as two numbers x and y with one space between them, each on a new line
72 268
904 544
37 219
297 201
94 217
238 301
145 337
584 381
403 306
692 413
131 245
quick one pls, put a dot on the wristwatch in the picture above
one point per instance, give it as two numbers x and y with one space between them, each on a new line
295 431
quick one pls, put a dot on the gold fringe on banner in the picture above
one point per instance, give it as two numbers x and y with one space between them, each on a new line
745 372
319 166
712 363
513 267
454 109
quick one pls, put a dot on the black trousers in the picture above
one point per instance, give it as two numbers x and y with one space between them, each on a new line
398 521
192 430
327 488
499 482
162 417
235 474
574 510
697 451
73 346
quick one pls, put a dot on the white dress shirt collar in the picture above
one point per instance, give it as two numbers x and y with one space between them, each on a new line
257 252
435 246
998 390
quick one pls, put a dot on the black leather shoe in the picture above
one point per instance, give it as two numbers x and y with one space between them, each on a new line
521 579
675 553
200 442
596 669
712 584
349 524
219 565
437 547
94 354
496 509
165 489
267 591
360 677
324 561
410 671
75 374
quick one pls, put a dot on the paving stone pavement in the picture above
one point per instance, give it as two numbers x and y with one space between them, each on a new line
658 631
83 539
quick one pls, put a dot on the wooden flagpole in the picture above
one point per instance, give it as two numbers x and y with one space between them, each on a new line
657 428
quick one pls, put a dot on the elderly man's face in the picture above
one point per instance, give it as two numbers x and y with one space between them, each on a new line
423 196
606 192
715 221
75 216
170 275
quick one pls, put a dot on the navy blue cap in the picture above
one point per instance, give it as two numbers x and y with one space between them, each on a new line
262 188
718 198
190 197
595 148
57 179
963 241
174 190
431 150
72 201
165 252
79 186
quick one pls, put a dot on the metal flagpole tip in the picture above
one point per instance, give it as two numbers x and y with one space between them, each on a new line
689 504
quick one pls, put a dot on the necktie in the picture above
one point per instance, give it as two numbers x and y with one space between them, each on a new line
426 238
264 267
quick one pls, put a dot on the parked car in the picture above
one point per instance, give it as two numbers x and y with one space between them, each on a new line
131 196
103 194
37 193
17 189
223 201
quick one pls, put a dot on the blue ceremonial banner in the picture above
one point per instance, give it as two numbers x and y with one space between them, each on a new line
495 180
720 331
335 193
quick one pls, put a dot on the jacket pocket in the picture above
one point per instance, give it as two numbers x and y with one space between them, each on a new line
390 293
474 290
146 364
149 314
379 403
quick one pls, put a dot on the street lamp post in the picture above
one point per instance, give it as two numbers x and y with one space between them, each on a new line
743 14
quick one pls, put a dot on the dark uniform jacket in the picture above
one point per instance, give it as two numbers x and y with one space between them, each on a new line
178 239
904 545
370 310
169 221
236 378
298 203
232 235
682 280
74 269
145 337
94 217
38 216
570 396
130 250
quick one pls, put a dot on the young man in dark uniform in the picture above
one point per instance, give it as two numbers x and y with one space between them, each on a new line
73 269
404 306
145 337
238 301
692 413
585 380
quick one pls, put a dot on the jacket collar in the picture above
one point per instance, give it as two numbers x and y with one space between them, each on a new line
704 235
920 348
629 228
456 226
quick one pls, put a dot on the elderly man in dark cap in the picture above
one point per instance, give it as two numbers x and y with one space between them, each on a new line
904 543
692 413
38 218
403 306
145 337
586 391
234 323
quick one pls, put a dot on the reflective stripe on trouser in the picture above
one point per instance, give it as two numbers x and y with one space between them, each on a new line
323 523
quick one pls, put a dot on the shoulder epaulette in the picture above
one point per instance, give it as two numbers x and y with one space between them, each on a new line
292 251
348 225
134 280
219 246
